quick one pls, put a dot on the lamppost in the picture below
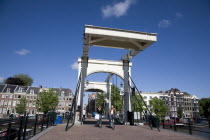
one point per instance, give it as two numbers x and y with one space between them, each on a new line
121 93
107 109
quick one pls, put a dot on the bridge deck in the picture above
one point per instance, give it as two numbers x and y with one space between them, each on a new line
90 132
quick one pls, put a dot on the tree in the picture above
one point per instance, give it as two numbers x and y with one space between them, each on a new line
180 112
158 107
27 80
137 103
14 81
116 99
21 106
47 100
204 107
100 100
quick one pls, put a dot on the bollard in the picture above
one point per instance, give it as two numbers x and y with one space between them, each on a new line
42 122
9 129
20 128
209 123
35 124
63 117
163 124
47 119
190 129
24 133
175 124
150 122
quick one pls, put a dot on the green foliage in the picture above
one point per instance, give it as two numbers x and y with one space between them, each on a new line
158 107
27 80
204 107
180 112
100 100
137 103
13 81
116 99
47 101
21 107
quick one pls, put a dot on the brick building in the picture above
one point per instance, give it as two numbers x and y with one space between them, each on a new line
10 95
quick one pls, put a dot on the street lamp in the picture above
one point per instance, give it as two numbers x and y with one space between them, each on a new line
121 84
87 82
121 93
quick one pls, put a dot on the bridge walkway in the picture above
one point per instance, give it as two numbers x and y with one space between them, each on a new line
89 131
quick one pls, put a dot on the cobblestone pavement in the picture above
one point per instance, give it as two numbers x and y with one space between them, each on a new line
121 132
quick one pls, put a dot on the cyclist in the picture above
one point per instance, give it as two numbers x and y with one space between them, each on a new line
99 111
112 114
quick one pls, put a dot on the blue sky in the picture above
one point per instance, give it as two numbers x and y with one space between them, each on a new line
44 38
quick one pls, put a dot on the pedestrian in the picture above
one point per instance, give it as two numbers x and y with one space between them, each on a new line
53 116
99 111
112 114
84 114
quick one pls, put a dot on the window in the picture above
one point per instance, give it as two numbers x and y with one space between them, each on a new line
19 96
150 97
2 102
20 89
145 97
31 91
62 93
9 103
14 103
5 103
8 90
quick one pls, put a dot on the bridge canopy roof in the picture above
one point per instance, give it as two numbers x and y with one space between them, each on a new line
118 38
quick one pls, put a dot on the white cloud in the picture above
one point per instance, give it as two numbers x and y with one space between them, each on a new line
117 9
179 15
23 52
164 23
1 79
75 66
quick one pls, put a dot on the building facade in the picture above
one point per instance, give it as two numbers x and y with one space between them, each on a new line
175 100
191 106
11 94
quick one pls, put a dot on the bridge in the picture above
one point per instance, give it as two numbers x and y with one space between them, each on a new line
133 41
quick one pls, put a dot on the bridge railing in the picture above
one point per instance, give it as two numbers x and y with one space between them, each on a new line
200 127
72 112
23 127
147 115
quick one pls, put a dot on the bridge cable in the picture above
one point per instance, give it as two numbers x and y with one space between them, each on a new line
151 116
